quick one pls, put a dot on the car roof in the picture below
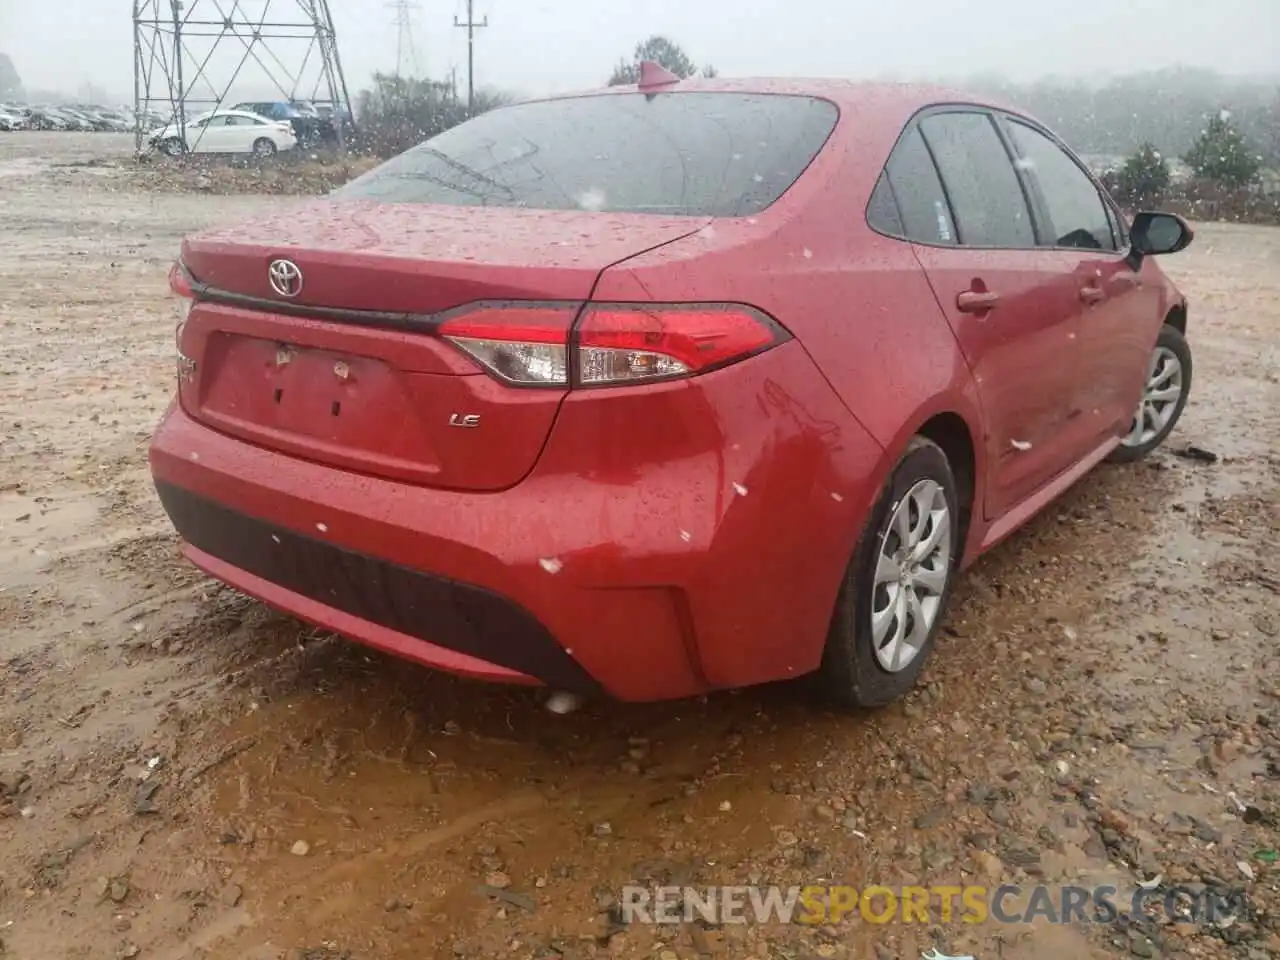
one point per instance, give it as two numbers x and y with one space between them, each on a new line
232 113
851 95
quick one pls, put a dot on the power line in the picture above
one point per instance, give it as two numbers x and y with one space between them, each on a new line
471 25
406 49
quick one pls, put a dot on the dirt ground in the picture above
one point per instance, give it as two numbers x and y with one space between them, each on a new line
185 773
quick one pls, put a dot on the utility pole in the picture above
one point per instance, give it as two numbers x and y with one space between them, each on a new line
471 26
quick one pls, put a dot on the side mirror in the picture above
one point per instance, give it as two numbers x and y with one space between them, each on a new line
1153 234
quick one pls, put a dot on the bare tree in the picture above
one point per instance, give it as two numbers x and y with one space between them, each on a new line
397 113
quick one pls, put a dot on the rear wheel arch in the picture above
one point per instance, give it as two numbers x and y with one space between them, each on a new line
954 423
874 614
946 435
952 433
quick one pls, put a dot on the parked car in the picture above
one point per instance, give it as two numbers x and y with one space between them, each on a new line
319 125
74 119
666 388
272 109
12 119
105 120
227 131
48 118
80 119
151 119
306 126
327 112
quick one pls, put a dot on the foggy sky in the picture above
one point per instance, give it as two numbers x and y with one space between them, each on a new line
539 46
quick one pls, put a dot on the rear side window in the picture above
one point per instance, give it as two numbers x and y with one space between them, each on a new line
1076 208
921 200
986 197
691 154
882 211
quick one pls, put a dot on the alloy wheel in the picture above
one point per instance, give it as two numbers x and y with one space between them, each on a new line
913 565
1159 398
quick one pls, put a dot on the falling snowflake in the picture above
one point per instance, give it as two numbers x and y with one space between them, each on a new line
592 199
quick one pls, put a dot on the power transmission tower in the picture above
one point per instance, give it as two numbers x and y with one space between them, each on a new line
471 26
406 49
188 54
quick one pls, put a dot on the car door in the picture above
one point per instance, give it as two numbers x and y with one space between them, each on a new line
240 133
1117 309
202 135
1011 309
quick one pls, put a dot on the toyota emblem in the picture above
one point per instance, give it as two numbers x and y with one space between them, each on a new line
285 277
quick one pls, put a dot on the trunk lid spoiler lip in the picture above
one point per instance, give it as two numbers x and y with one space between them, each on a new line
203 293
419 322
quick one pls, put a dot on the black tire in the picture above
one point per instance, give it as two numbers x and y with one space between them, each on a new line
1169 339
171 147
263 148
850 674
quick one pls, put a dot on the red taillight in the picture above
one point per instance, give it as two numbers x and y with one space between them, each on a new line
612 343
181 286
180 281
624 343
521 343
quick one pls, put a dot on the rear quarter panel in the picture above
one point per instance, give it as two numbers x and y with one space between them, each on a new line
858 302
861 308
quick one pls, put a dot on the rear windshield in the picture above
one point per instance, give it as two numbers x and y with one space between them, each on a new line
691 154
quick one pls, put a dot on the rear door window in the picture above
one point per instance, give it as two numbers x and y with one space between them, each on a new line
922 202
882 211
1076 208
691 154
981 182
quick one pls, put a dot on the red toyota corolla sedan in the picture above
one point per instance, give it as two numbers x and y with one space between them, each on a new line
662 389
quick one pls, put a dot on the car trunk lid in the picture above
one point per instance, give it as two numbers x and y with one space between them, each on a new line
347 370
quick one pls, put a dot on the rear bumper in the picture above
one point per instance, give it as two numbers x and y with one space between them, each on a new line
645 564
384 604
